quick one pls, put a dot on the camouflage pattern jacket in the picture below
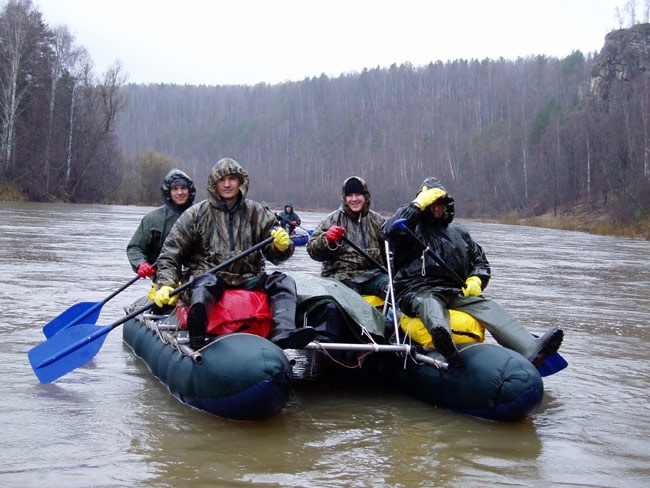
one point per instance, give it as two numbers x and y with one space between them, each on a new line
209 233
339 260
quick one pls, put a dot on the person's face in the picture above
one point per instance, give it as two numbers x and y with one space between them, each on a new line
180 194
437 209
355 201
228 188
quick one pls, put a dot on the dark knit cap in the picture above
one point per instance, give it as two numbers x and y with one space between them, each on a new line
179 182
353 186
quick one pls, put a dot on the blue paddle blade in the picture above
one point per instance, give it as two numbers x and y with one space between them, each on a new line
552 365
67 350
87 312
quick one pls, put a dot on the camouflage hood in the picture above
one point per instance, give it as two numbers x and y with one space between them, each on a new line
165 189
221 168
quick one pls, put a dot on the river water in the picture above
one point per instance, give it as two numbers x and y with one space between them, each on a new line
111 424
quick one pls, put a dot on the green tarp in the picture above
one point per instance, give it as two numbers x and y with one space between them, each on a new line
359 314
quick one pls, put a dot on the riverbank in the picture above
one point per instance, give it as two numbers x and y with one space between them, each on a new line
594 221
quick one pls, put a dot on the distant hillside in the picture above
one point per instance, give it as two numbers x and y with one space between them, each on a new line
524 136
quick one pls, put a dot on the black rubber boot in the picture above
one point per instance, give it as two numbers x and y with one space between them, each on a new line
549 343
514 336
197 322
205 290
281 290
444 343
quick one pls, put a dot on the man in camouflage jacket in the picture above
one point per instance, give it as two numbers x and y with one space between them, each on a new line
215 230
359 225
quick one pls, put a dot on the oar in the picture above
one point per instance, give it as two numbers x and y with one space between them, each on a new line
459 281
551 365
289 222
383 269
75 346
365 254
400 348
88 311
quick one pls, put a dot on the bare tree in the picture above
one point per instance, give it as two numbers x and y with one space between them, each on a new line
65 61
113 100
16 29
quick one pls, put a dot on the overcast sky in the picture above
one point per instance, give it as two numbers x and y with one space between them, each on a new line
215 42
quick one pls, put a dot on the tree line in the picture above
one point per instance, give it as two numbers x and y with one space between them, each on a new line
57 118
525 136
522 136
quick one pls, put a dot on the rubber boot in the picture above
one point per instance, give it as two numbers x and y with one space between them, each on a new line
514 336
197 322
281 290
205 290
445 345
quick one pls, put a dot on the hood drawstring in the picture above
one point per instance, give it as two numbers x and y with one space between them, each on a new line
422 258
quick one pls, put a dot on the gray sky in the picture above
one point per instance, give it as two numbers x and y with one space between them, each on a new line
215 42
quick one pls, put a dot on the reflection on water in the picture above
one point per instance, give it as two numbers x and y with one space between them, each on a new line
110 423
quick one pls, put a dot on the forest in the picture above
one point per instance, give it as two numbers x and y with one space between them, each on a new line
532 136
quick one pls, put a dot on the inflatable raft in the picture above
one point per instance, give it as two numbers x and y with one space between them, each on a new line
494 383
300 236
237 376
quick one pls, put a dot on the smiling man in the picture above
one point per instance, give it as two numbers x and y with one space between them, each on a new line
215 230
360 225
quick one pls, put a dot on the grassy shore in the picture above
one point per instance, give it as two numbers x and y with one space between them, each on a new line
593 221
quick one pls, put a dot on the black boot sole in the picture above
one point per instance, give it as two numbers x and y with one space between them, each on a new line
445 346
550 346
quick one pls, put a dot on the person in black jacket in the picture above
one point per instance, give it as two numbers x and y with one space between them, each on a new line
451 273
289 219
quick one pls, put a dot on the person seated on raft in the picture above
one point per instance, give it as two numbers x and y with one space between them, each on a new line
216 229
289 219
429 281
360 225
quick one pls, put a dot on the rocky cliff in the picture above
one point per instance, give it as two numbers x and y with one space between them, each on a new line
625 55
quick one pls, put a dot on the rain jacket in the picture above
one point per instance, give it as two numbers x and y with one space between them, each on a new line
415 270
209 233
286 218
147 241
340 260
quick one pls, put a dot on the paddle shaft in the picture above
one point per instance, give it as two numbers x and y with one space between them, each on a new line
392 294
184 286
289 222
80 344
80 311
365 254
125 286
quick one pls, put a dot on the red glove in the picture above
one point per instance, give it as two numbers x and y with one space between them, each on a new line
145 269
334 233
293 222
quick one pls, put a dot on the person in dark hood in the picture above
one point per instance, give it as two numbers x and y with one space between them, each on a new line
451 273
178 193
362 226
215 230
288 218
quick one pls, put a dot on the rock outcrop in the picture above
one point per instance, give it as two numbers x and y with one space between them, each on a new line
625 56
